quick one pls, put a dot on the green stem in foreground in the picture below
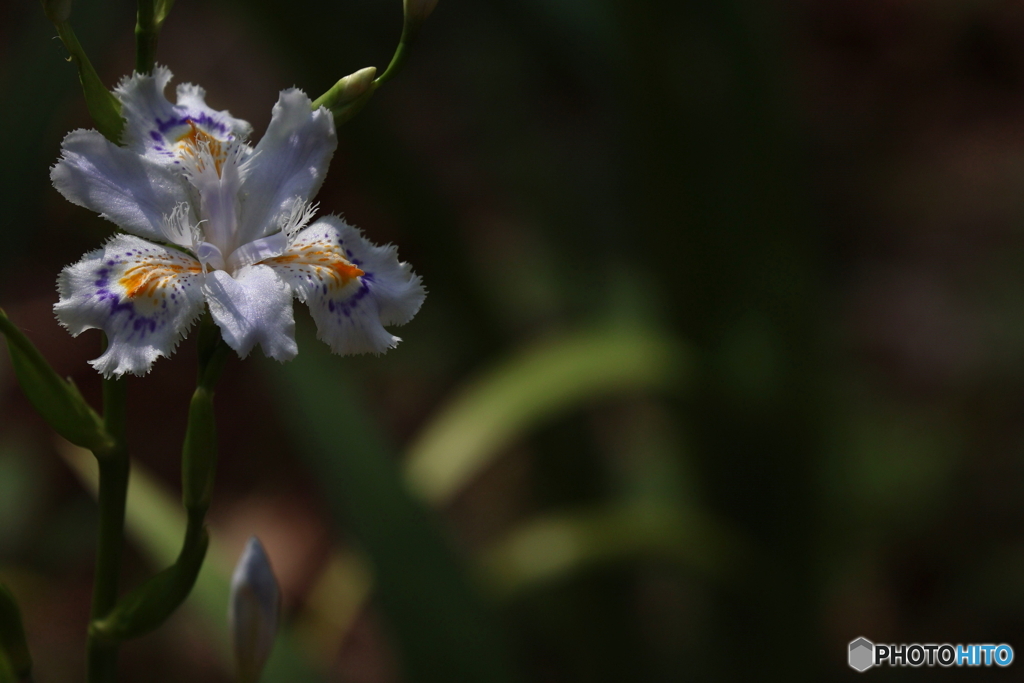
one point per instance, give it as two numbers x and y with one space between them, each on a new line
113 493
401 54
147 30
149 605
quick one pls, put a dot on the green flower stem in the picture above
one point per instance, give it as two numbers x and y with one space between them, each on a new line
213 354
104 108
348 96
147 30
150 20
113 493
199 453
147 607
409 32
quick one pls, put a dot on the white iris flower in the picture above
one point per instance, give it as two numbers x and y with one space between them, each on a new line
238 218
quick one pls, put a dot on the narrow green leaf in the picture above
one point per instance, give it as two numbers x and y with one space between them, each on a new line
443 630
104 108
56 399
13 644
532 387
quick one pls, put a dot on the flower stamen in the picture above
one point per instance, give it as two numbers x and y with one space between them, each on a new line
198 144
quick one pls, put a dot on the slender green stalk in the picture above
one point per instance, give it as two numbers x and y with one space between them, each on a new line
401 54
147 30
149 605
113 493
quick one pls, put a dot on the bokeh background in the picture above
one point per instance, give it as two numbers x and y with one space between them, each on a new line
722 364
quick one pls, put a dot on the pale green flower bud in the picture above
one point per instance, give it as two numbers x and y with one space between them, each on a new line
253 611
199 454
347 91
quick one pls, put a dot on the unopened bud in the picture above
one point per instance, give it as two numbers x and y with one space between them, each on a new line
57 11
347 90
199 454
417 11
253 611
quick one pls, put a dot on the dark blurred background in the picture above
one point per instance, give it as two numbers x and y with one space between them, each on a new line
736 284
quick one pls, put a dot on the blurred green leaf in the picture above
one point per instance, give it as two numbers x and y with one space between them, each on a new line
534 386
557 546
156 522
21 491
443 630
56 399
333 603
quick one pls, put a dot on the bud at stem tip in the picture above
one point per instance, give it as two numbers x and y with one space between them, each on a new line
253 611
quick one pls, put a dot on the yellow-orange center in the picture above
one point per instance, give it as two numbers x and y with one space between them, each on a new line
191 142
337 268
143 279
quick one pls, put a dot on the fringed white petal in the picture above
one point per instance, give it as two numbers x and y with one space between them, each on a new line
130 190
143 295
155 127
144 107
253 307
352 287
192 103
289 163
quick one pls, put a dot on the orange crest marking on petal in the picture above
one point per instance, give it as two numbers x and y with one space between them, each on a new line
196 140
346 271
322 260
146 278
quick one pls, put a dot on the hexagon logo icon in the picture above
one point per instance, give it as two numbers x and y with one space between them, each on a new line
862 654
